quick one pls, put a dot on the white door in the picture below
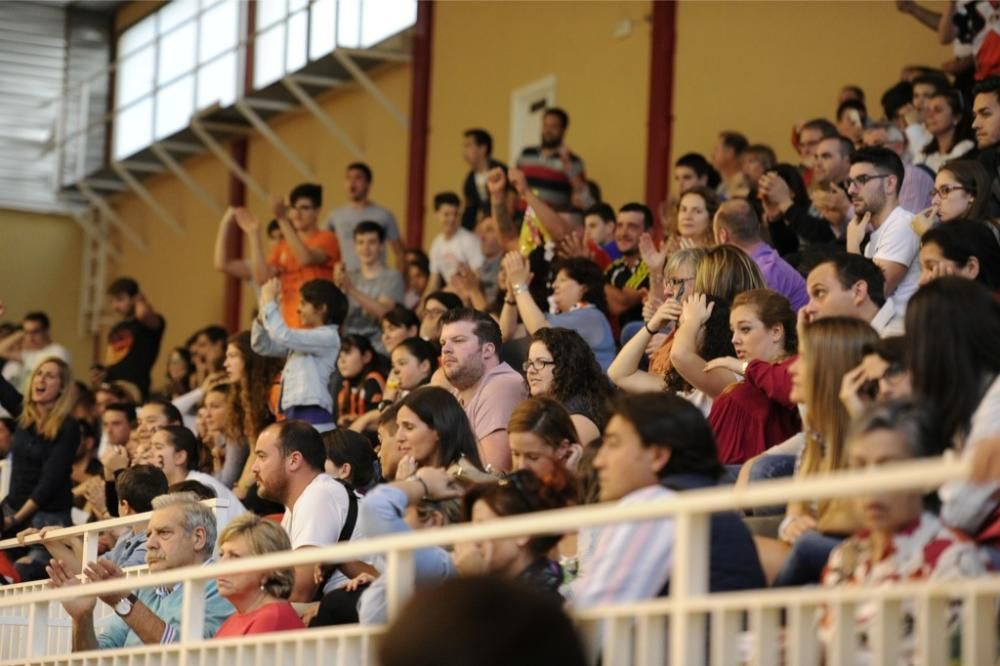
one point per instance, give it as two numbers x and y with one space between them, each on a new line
527 104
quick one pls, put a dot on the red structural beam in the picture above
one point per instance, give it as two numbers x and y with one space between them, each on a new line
420 94
661 104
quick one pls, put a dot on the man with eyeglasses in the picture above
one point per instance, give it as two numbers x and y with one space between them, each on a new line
36 345
305 252
881 228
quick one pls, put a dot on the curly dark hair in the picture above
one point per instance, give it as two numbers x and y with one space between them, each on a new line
576 373
248 403
590 277
718 342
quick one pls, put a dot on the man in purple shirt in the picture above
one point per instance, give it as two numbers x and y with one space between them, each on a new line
736 224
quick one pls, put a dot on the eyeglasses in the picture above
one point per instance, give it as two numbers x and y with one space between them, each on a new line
864 178
537 365
943 191
677 282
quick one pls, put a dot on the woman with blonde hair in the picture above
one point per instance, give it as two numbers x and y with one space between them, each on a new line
828 349
44 447
260 597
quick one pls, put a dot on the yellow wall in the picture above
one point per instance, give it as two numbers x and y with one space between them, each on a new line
483 51
758 67
40 270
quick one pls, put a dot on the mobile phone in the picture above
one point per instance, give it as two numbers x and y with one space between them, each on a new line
680 292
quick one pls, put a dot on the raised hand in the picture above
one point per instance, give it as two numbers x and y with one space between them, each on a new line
654 259
246 220
496 182
670 310
696 310
518 271
518 180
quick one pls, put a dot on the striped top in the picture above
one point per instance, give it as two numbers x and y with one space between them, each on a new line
546 176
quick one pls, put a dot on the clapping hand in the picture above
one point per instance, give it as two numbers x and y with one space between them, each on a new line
653 258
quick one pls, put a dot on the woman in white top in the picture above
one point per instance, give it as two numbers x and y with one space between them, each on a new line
948 124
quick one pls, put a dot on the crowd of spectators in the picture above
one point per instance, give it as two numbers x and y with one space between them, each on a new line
552 349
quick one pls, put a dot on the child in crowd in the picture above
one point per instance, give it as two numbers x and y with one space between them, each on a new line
311 350
363 380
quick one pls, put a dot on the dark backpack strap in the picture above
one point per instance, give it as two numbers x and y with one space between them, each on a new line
352 513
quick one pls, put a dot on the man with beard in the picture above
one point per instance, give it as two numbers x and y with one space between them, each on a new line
319 510
181 533
487 388
551 168
876 177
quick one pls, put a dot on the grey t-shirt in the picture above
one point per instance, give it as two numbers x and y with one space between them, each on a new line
387 284
343 220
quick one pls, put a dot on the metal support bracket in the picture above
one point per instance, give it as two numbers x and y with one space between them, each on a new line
192 184
216 149
292 83
369 85
147 197
98 202
272 137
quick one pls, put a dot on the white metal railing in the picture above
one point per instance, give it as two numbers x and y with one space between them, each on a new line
658 631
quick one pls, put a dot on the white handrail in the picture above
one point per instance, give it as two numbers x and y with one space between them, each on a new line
5 470
638 632
894 478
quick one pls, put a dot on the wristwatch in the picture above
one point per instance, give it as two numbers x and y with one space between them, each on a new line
125 604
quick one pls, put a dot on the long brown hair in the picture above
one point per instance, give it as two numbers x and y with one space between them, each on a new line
48 424
249 399
832 347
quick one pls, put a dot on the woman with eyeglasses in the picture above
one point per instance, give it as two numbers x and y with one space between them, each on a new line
577 303
523 558
561 366
963 248
677 280
957 192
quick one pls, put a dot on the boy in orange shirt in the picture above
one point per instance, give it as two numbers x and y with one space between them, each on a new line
304 252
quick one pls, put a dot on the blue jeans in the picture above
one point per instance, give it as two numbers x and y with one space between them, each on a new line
806 560
771 467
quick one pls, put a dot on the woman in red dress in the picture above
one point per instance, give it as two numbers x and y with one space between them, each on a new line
260 597
756 413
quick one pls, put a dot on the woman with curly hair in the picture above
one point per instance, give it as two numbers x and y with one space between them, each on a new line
252 377
578 303
562 366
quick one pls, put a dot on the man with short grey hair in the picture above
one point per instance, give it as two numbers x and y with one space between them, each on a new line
181 532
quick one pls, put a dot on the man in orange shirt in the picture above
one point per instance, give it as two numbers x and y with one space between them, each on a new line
304 252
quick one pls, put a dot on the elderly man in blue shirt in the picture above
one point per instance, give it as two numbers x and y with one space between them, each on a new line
181 532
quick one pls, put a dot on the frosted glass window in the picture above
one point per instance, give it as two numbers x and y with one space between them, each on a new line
135 76
295 56
322 28
268 55
269 12
137 36
174 106
385 18
219 30
134 129
176 12
217 82
349 24
176 53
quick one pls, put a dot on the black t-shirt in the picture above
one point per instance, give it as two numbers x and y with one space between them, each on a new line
132 351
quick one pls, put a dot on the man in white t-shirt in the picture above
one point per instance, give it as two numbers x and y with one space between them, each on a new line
875 180
36 345
454 246
290 469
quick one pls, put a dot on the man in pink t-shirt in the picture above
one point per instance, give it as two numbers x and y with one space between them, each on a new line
487 388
